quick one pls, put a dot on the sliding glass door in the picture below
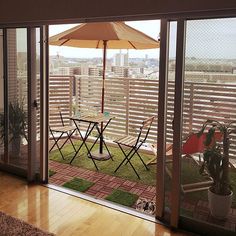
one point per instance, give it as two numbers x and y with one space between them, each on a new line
20 115
17 98
197 83
209 93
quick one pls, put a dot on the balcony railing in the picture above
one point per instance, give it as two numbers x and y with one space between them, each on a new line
133 100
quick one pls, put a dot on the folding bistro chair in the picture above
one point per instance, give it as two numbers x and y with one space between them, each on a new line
194 144
64 130
133 144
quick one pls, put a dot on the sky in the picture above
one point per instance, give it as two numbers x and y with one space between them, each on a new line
151 28
212 38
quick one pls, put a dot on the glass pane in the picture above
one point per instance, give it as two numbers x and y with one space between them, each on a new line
17 97
209 93
170 112
37 97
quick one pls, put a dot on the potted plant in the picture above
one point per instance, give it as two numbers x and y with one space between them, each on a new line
216 163
16 126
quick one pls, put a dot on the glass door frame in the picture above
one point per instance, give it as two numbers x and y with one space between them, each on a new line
174 218
162 112
31 106
44 101
177 123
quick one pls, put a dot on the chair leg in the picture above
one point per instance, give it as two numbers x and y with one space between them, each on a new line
130 154
133 168
65 140
136 152
59 148
124 158
142 161
69 137
55 141
127 159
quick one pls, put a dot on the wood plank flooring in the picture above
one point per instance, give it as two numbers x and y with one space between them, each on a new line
66 215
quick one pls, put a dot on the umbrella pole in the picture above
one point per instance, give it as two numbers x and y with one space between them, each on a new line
103 89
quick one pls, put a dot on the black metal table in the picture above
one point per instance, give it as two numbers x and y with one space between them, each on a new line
93 122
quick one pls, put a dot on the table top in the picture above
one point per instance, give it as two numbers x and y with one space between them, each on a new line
98 118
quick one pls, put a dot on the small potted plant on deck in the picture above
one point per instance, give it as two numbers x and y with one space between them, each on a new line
16 126
216 163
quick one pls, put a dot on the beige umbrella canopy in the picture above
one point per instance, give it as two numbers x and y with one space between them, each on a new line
105 35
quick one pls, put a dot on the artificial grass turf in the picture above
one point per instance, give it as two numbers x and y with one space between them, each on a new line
122 197
77 184
51 173
189 172
108 166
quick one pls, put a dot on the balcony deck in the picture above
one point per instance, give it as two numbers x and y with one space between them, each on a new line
104 184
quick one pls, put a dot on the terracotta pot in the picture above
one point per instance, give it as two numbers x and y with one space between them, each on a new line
219 205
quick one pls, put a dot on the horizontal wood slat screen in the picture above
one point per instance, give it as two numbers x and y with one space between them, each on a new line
133 100
60 95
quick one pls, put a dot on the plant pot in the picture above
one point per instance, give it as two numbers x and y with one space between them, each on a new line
219 204
15 144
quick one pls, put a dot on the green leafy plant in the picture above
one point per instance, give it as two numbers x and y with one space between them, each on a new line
17 121
216 154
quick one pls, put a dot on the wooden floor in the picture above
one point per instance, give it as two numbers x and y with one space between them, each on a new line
63 214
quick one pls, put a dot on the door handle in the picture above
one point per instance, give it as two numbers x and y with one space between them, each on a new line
35 104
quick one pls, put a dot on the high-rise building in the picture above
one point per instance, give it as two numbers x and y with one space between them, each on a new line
121 59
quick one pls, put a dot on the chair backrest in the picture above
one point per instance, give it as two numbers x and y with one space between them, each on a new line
145 128
196 143
55 111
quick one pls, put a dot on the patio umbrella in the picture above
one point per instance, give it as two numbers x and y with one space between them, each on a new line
105 35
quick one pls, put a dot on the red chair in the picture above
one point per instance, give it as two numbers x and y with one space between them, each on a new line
194 144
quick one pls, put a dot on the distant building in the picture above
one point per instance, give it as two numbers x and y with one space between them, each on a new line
120 71
79 70
75 70
136 71
63 71
234 70
121 59
209 65
95 71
